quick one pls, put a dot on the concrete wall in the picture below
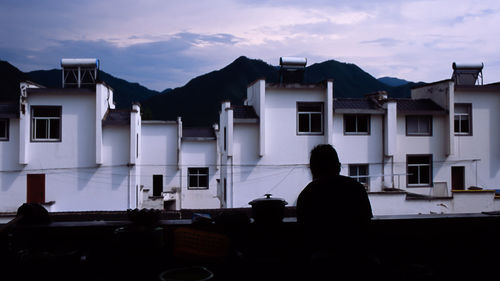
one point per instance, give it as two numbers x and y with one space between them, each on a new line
483 144
361 149
199 154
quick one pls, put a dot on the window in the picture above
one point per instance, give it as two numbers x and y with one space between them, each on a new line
197 178
463 119
356 124
4 129
157 185
419 125
46 123
359 173
419 170
310 118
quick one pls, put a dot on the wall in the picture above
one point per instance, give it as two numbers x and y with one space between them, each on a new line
12 179
435 145
199 154
361 149
283 169
484 142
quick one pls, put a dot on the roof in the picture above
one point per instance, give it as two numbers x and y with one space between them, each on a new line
116 117
418 106
244 112
356 105
198 133
9 110
493 87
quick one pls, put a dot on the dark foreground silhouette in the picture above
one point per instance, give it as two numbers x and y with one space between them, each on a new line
334 214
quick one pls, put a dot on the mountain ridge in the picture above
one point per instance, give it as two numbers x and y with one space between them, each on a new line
198 101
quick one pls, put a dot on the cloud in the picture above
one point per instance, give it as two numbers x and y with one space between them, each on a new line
166 43
385 42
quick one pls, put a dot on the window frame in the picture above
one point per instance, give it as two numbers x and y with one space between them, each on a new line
298 113
357 133
419 118
357 177
33 123
195 171
429 165
7 129
469 114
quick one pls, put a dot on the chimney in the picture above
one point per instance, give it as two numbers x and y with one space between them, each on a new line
292 69
79 73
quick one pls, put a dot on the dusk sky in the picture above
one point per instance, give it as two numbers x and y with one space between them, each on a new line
164 44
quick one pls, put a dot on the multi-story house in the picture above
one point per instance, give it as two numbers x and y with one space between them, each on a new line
414 155
70 149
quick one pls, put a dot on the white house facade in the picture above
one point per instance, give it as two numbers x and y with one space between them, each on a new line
71 150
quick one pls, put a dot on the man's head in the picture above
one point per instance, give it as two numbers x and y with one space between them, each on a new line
324 161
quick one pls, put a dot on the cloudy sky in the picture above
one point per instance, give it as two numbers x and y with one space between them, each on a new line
163 44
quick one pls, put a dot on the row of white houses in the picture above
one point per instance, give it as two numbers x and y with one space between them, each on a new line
70 149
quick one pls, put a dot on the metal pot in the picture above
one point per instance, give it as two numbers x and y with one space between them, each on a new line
268 210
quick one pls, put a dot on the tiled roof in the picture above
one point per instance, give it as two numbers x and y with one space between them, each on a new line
244 112
9 110
419 105
198 132
356 105
117 117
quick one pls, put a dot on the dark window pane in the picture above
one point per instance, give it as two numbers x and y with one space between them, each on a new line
363 170
457 125
46 112
418 160
412 175
316 122
304 123
353 170
41 129
193 181
363 124
309 107
3 129
54 128
203 181
425 175
464 125
350 123
411 124
425 125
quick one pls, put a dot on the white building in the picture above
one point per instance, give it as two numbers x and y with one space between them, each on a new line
426 154
71 150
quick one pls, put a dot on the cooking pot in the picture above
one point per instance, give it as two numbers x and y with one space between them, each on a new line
268 210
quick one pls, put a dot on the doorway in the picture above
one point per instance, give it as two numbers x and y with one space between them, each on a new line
35 188
458 178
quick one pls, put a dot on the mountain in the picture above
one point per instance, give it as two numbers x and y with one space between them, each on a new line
198 102
392 81
10 77
124 92
348 79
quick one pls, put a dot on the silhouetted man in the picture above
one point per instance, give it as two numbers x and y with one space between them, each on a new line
334 213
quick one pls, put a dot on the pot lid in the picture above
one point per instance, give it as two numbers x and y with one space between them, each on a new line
268 198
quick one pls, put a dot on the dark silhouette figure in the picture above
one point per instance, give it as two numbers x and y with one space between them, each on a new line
334 214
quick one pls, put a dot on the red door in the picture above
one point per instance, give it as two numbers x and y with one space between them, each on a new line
36 188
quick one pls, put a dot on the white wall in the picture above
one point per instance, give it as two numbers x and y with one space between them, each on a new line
361 149
200 154
159 155
484 142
